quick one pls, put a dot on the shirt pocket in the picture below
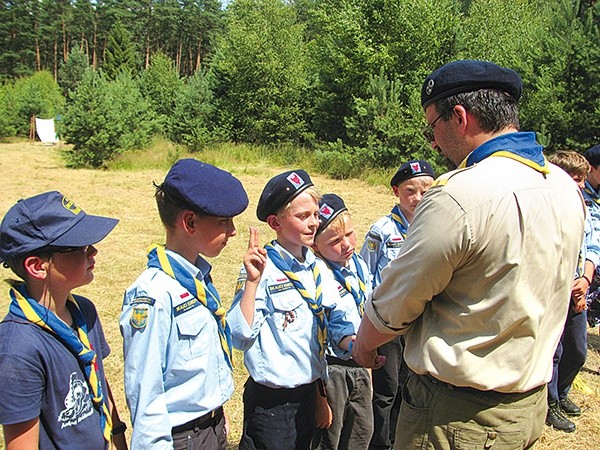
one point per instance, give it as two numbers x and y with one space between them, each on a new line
189 326
288 314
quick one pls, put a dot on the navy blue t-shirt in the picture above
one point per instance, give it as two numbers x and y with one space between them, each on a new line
40 377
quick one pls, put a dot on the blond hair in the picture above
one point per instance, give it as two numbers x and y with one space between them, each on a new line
571 162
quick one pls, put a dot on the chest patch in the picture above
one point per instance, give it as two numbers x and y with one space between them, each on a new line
274 289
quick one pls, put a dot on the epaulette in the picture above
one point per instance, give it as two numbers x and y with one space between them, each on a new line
443 179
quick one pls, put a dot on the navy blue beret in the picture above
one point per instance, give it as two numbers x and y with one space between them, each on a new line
49 220
205 189
280 190
330 206
593 155
412 169
467 76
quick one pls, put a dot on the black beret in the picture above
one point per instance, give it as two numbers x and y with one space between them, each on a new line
593 155
205 189
330 206
280 190
467 76
412 169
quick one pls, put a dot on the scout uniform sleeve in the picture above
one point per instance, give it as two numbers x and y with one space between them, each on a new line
371 252
145 325
242 334
592 242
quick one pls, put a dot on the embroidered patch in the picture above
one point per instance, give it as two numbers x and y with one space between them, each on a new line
394 244
280 287
185 306
295 179
143 301
139 317
342 290
372 244
326 210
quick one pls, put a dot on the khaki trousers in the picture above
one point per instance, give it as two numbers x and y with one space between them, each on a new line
435 415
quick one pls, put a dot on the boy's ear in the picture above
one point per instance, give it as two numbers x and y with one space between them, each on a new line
273 222
36 267
396 191
187 221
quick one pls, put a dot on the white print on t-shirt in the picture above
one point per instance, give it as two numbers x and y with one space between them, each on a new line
77 402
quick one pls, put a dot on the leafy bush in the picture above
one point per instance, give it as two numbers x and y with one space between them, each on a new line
37 95
104 119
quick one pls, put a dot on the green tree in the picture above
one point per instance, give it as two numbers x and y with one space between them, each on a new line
262 70
160 85
18 23
37 95
104 119
120 53
71 72
7 119
194 121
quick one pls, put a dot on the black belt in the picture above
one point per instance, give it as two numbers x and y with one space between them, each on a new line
200 422
480 393
335 361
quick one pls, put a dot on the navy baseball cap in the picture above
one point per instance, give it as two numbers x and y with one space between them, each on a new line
412 169
205 189
280 190
593 155
49 220
467 76
330 206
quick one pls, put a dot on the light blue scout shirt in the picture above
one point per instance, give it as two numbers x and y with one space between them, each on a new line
347 302
592 201
175 370
590 250
281 348
382 244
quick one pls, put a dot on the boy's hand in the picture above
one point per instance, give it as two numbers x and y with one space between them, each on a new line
324 415
578 294
255 258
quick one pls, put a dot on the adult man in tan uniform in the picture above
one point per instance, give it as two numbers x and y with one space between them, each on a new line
481 286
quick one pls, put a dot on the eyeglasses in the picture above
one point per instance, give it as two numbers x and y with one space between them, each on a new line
83 249
52 250
428 130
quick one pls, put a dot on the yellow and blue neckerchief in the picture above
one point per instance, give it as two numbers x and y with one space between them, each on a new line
315 304
591 191
520 146
359 296
25 307
400 221
160 259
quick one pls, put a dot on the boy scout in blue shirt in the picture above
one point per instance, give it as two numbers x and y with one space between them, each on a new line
178 368
349 385
54 393
382 244
283 314
591 195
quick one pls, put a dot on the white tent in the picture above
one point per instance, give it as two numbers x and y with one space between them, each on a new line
45 130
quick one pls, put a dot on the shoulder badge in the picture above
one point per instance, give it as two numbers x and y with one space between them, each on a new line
139 316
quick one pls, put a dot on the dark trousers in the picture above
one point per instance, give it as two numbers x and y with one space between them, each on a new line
278 418
208 435
569 356
387 394
349 397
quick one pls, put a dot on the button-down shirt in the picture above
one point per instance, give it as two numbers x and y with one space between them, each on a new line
175 370
482 284
280 347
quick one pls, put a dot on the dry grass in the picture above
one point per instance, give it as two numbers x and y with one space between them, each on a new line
26 170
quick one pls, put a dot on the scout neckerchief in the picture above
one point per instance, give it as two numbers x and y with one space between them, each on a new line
520 146
359 295
209 297
591 191
400 221
315 304
25 307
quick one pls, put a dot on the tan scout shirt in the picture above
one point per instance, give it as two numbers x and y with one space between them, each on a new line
481 287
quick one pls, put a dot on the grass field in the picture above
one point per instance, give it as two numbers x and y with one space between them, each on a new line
26 170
